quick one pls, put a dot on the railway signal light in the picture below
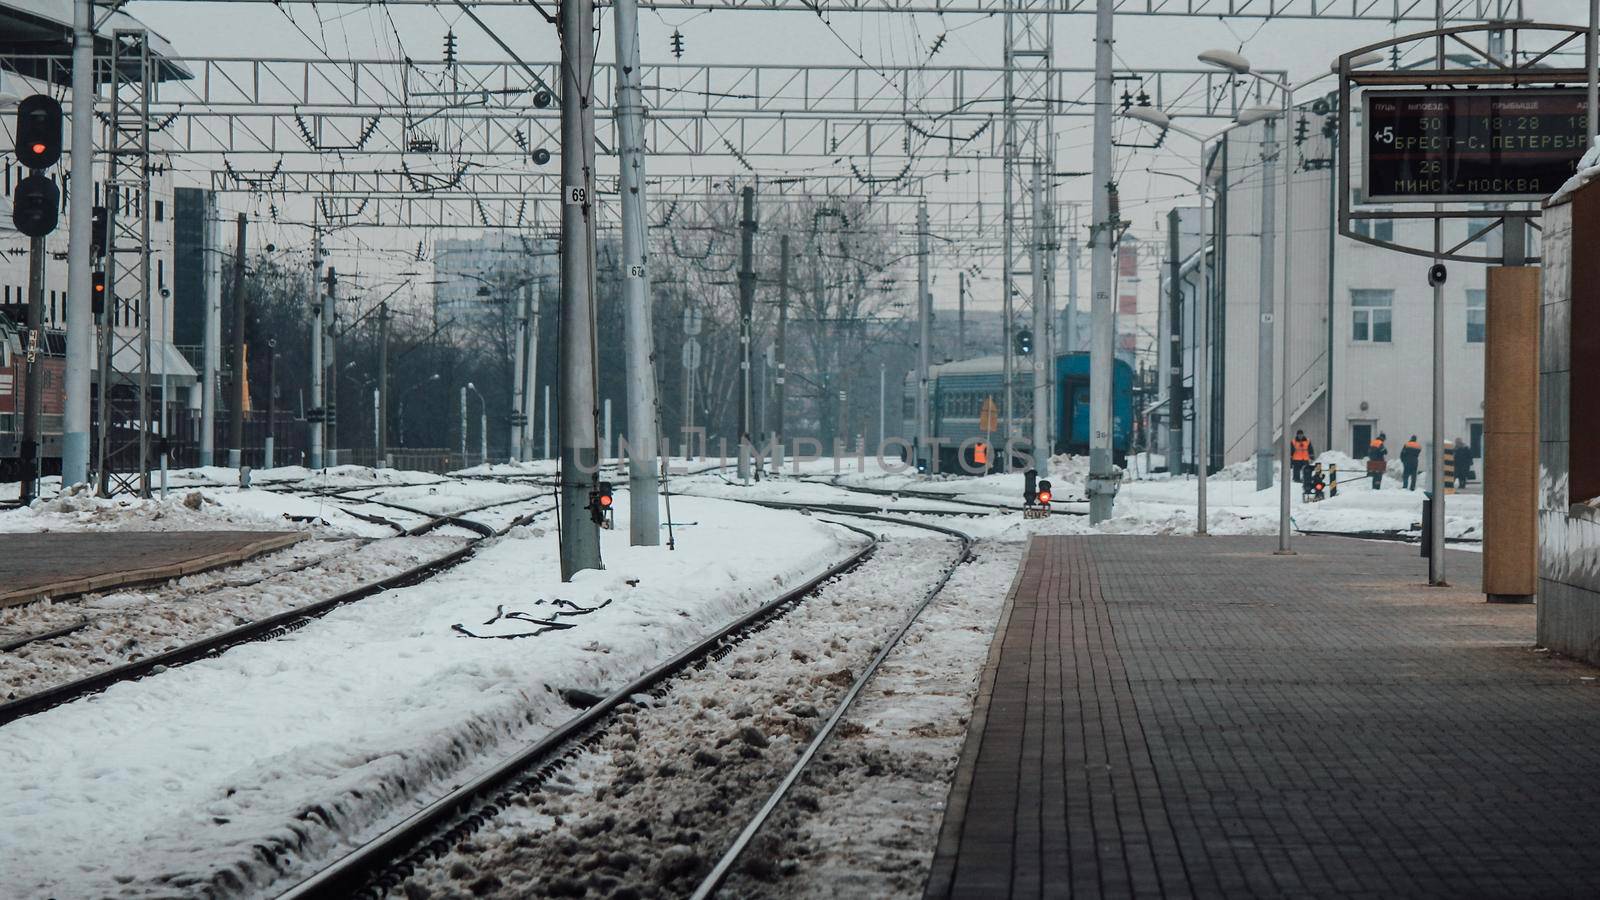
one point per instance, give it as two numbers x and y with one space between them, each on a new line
35 205
99 230
97 290
38 131
600 503
1044 494
1025 342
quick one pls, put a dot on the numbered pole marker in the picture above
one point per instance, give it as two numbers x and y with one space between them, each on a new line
576 195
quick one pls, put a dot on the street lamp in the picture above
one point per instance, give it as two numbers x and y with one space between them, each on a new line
1202 392
403 397
483 425
1233 62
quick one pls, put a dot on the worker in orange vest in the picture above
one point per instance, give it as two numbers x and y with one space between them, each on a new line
1378 460
1300 453
1410 458
980 455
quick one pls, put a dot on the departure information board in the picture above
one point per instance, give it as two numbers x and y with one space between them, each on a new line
1425 146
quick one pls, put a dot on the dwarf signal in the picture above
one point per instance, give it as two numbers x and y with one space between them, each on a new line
601 504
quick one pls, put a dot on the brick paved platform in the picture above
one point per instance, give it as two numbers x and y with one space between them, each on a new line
1194 717
64 563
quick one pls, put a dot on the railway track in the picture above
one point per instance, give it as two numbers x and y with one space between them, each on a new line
382 864
272 626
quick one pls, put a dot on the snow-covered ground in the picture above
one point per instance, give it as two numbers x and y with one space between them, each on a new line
128 625
178 781
664 792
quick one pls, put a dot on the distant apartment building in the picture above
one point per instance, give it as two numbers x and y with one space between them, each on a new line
477 275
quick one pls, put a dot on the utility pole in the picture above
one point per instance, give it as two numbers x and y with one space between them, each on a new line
464 461
579 467
1175 344
1266 290
1102 484
80 217
211 339
382 412
33 395
783 327
330 323
961 315
518 368
644 514
747 297
924 337
1073 343
272 400
1041 326
530 374
240 376
314 418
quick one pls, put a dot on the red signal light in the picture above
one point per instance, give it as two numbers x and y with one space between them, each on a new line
605 499
1044 496
39 149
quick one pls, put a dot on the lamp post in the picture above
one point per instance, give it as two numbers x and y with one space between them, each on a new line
1238 65
1202 389
483 424
403 397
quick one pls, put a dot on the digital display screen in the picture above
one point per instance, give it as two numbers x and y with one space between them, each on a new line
1424 146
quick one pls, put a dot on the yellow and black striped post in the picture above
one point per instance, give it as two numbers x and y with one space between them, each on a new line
1449 467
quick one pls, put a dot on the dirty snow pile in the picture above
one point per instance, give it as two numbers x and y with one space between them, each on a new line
671 783
224 774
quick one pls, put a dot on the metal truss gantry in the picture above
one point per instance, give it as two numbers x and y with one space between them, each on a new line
1328 10
123 461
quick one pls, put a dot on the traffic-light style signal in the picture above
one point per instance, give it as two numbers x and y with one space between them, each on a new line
99 230
38 131
600 501
98 290
1025 342
1044 494
35 205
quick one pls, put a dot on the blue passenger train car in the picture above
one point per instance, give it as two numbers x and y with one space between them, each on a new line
957 391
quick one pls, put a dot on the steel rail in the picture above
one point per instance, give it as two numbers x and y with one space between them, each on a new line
262 629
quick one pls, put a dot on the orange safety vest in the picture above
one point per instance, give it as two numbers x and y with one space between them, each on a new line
980 454
1302 449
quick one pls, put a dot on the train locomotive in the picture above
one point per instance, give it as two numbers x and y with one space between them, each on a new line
957 392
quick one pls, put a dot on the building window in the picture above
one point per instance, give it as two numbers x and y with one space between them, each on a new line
1377 229
161 211
1476 315
1371 316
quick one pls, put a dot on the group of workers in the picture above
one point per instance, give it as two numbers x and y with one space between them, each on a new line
1459 457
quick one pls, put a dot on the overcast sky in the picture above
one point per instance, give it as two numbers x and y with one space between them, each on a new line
1304 48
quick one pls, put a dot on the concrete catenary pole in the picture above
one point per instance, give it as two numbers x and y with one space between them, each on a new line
211 339
1074 343
1102 485
779 351
1285 412
1174 337
80 214
316 351
747 297
519 364
33 392
644 506
924 338
530 374
382 412
464 461
1041 327
1266 291
579 467
1593 54
240 375
330 359
961 315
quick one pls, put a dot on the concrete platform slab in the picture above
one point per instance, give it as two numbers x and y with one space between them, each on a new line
65 563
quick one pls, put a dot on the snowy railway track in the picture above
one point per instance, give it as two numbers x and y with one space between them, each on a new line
274 625
382 865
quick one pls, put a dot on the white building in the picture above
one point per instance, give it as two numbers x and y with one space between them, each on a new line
476 276
1361 359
